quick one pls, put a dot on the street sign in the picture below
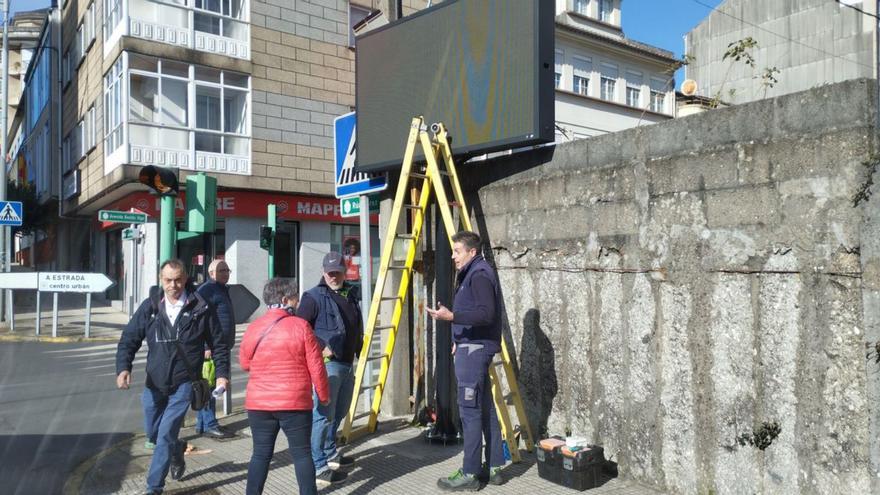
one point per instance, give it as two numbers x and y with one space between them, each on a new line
351 207
121 216
131 234
26 280
73 282
348 183
10 213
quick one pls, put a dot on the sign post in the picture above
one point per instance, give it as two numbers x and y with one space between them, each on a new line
11 214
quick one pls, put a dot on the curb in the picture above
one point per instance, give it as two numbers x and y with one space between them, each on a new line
75 480
7 337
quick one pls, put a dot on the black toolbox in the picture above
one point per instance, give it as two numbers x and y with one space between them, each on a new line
582 469
549 454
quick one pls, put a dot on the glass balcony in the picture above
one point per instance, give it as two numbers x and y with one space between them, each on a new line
214 26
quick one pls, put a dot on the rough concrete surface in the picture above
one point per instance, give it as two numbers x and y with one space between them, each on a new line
683 285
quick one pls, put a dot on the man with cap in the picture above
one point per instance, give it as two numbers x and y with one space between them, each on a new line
333 309
216 293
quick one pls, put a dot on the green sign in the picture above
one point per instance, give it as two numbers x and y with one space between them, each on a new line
351 207
121 217
130 234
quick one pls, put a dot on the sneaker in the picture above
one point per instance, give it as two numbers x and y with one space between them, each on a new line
495 476
340 461
459 482
149 445
329 477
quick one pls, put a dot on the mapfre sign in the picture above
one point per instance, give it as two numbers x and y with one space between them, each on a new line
248 204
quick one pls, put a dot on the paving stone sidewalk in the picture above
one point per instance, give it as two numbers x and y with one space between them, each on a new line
395 460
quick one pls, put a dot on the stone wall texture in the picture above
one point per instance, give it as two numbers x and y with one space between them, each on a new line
670 288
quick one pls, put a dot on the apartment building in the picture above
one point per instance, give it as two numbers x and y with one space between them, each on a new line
606 82
243 90
801 44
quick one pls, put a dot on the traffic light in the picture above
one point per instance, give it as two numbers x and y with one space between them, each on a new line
160 179
265 237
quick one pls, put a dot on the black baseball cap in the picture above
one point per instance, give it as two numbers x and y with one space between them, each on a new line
333 262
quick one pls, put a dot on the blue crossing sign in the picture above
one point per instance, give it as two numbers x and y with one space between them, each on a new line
10 213
348 183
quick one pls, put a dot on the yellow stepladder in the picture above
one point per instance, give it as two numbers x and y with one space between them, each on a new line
431 180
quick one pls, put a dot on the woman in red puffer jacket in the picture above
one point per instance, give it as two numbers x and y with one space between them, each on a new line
285 362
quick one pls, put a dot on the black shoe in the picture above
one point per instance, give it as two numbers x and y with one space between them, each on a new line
329 477
217 434
177 469
340 461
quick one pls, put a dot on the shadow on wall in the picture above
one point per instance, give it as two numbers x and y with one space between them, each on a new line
537 378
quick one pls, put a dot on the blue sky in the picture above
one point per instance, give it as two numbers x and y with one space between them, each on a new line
661 23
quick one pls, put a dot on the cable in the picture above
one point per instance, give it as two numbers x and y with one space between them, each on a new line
714 9
858 9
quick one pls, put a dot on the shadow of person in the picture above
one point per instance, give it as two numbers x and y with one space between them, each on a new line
537 374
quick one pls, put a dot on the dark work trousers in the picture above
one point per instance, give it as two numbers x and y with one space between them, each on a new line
297 426
476 408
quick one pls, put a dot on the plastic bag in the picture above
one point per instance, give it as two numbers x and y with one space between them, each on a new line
209 372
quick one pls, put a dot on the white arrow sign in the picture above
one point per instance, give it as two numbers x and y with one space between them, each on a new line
26 280
73 282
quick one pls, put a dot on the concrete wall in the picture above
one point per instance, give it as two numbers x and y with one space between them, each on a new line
812 42
672 287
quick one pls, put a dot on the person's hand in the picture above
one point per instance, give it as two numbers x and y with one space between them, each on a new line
222 382
441 313
123 380
207 353
326 352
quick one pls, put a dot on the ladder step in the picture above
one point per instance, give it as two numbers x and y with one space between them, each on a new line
389 298
398 267
383 327
375 358
362 416
413 207
370 386
497 363
418 176
405 236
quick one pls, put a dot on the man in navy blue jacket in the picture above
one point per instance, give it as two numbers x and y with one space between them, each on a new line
175 320
476 335
332 308
216 293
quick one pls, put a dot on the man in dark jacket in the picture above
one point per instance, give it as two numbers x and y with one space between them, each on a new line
217 294
333 309
476 333
174 321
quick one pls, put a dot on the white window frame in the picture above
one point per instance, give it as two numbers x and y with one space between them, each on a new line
606 11
558 66
658 101
581 74
580 6
115 107
351 22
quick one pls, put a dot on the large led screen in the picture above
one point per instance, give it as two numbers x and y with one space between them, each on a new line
484 68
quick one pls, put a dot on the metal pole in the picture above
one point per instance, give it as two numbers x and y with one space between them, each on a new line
366 259
39 314
88 314
54 314
270 220
4 147
11 315
131 278
167 234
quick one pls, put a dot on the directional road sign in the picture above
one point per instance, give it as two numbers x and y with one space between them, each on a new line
348 183
26 280
10 213
121 216
73 282
131 234
351 207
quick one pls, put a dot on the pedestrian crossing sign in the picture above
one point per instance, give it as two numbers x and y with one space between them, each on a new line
10 213
349 183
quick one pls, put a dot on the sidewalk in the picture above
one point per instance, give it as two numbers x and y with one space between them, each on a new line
106 323
395 460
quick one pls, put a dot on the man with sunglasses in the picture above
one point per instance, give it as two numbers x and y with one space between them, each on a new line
177 324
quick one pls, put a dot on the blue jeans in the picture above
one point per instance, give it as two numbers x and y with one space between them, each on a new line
164 413
326 419
297 426
206 418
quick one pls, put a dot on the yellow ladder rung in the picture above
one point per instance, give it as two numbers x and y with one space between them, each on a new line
413 207
370 386
375 358
405 236
383 327
362 416
398 267
389 298
415 175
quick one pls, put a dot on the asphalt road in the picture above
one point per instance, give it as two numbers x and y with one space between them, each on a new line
59 406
